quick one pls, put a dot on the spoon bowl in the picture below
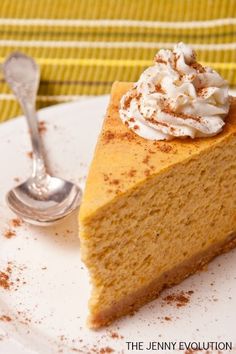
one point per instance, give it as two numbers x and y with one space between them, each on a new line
44 204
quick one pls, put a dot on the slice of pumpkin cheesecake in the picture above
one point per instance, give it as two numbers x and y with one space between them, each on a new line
156 210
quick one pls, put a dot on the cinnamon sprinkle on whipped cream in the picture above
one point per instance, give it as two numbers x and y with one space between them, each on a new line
176 97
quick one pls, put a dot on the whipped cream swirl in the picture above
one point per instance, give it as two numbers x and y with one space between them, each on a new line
176 97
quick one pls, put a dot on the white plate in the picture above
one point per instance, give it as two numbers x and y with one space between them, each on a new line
48 307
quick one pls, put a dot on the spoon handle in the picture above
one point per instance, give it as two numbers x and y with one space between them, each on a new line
39 168
22 74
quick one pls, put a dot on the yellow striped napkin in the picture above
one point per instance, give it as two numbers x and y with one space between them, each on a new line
82 46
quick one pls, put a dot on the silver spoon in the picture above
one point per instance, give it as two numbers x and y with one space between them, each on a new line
41 199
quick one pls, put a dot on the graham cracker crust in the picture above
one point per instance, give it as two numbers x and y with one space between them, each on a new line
148 293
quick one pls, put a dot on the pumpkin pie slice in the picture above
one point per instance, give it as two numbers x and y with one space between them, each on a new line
153 212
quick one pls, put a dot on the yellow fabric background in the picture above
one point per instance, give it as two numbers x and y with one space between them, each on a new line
84 54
